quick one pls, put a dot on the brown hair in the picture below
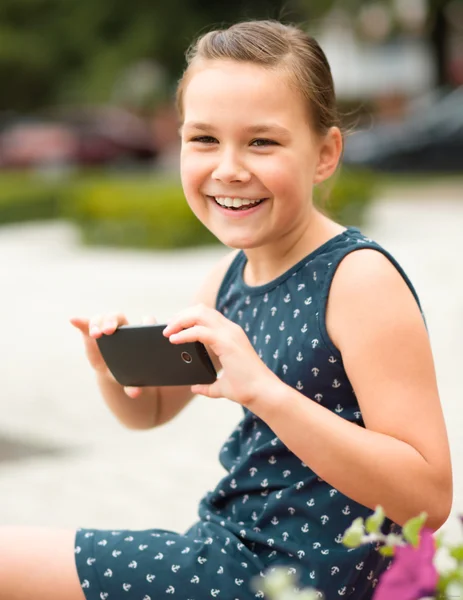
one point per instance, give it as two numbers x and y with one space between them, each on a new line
273 45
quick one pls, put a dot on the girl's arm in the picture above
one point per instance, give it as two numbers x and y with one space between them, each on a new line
155 406
172 400
401 460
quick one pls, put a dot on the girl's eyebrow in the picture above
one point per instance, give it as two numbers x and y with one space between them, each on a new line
254 129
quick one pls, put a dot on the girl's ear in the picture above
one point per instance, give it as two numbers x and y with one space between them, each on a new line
330 150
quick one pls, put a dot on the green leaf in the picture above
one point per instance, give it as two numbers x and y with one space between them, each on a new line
386 551
374 523
439 540
446 580
411 529
457 552
354 534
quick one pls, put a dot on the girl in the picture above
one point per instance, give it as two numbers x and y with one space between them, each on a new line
320 338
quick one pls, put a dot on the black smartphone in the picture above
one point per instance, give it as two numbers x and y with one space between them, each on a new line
140 355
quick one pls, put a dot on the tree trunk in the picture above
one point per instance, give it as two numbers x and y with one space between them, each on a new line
439 42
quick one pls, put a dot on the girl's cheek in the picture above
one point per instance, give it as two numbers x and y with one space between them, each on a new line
189 176
272 175
193 166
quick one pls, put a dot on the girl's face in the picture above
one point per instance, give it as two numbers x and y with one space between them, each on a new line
249 157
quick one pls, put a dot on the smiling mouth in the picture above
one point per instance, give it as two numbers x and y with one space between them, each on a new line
237 204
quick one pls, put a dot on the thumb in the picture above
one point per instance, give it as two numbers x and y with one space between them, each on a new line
80 324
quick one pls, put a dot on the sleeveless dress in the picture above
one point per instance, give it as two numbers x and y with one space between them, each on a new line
270 509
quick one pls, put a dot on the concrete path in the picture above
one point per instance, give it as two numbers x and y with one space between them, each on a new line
69 462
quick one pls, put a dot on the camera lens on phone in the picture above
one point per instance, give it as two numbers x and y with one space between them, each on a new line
186 357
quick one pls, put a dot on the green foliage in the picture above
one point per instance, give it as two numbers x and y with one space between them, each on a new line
57 50
411 529
386 551
140 210
447 559
353 536
135 211
374 523
457 553
364 532
28 197
54 51
346 196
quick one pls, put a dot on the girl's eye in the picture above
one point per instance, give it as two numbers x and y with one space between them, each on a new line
204 139
263 142
208 139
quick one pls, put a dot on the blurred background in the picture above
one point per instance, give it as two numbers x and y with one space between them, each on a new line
93 219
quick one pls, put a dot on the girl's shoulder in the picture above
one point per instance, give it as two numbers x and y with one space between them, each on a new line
359 277
369 290
361 261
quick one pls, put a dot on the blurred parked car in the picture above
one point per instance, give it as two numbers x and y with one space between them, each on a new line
430 138
78 136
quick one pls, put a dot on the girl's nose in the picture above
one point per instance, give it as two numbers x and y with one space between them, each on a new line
230 169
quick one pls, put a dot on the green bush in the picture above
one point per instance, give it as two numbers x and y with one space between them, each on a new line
145 210
138 212
28 197
346 196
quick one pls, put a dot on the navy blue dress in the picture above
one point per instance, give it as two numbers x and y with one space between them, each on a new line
270 509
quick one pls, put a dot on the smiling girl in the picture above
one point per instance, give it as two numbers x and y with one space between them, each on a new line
318 334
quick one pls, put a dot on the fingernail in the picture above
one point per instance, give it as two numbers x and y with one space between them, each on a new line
94 331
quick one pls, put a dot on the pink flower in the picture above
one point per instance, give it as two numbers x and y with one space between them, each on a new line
412 574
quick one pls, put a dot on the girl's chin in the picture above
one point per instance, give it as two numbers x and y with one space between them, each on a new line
237 241
230 227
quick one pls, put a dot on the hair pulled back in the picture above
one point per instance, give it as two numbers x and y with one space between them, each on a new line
272 45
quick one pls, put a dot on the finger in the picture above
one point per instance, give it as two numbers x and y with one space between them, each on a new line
197 333
94 326
112 321
80 324
211 390
195 315
148 320
132 392
106 324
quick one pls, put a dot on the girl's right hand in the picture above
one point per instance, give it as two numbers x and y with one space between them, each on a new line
94 328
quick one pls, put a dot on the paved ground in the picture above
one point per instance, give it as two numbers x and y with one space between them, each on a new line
65 461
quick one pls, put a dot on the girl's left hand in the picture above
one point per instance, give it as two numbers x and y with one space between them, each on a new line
244 375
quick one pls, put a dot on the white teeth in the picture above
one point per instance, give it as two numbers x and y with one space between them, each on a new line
235 202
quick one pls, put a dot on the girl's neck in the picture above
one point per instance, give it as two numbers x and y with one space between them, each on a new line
268 262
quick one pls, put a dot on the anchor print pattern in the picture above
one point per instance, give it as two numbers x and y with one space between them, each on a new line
270 509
